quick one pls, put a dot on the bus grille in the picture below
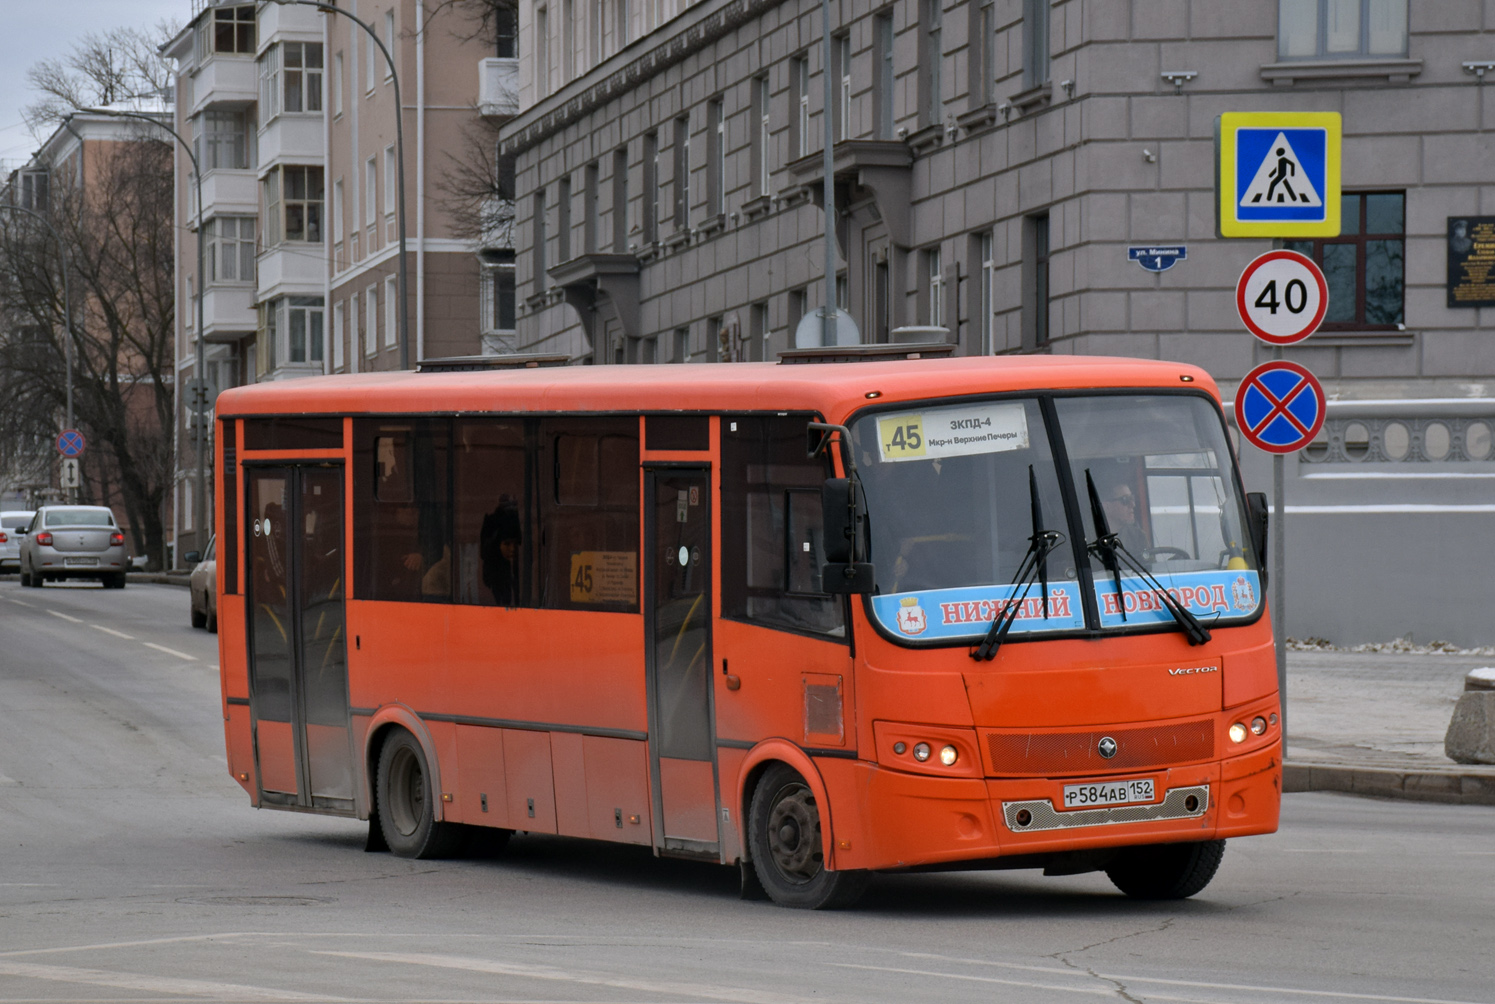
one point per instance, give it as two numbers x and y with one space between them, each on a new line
1043 754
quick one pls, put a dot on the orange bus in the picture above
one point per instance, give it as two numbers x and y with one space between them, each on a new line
851 612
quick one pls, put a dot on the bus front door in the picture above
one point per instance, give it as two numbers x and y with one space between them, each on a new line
298 667
677 618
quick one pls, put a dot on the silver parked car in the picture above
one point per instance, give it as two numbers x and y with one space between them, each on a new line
73 542
12 525
204 588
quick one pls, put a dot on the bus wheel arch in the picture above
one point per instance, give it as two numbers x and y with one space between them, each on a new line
386 722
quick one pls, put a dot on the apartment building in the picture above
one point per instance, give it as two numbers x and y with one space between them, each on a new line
292 116
994 162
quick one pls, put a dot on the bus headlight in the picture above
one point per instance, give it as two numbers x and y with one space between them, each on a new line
1258 725
921 752
948 756
1237 733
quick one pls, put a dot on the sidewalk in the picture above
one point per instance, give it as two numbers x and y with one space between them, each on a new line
1372 723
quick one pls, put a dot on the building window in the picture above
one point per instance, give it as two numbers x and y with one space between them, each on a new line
506 31
620 200
291 78
1035 43
371 320
986 303
799 306
983 54
799 78
568 40
1318 29
682 346
841 46
304 329
337 84
935 277
233 29
651 187
716 154
1036 260
682 172
1365 266
35 190
221 140
370 56
591 211
542 52
500 308
389 41
391 190
339 332
293 204
563 219
337 210
756 349
391 312
231 249
882 84
931 104
763 135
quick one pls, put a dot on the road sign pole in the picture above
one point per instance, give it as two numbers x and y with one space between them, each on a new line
1279 570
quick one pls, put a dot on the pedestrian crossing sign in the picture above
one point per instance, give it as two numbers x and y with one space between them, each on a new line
1277 174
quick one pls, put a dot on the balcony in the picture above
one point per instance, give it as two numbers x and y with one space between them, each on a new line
498 87
294 138
291 269
225 191
227 312
225 78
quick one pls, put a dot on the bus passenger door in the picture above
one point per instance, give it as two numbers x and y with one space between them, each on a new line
298 670
677 619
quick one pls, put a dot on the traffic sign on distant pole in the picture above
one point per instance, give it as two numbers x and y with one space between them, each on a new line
70 443
1282 297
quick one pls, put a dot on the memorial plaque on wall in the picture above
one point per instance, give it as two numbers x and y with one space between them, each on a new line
1471 261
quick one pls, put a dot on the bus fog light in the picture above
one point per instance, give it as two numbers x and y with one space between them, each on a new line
921 752
899 748
948 756
1238 733
1258 725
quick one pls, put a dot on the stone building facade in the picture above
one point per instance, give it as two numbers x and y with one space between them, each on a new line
994 163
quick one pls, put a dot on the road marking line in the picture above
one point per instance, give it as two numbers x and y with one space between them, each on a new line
117 634
743 995
22 603
1092 991
1129 979
169 651
155 984
67 617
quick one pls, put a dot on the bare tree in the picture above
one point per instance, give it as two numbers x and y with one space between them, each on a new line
477 188
485 20
103 68
118 235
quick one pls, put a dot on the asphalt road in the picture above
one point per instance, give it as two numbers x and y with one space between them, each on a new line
133 869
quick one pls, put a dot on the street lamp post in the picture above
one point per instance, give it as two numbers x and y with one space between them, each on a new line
199 501
394 74
67 301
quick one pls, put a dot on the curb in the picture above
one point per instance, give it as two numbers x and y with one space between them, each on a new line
1453 785
162 578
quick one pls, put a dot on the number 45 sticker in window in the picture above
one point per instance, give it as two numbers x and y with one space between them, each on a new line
1282 297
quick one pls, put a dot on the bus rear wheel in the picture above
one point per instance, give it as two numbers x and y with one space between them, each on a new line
784 836
1166 871
406 814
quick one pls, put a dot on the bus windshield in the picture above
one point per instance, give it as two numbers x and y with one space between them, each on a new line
951 498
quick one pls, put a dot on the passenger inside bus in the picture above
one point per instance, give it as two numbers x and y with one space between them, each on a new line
498 549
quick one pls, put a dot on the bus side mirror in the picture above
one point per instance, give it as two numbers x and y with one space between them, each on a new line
1256 510
841 575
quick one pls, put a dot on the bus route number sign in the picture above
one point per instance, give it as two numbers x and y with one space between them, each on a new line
604 577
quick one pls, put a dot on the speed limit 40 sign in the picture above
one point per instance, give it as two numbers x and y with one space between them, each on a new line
1282 297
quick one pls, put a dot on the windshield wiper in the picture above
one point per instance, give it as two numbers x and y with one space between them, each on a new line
1113 553
1034 565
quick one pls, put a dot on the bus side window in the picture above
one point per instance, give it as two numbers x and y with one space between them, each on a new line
402 516
771 526
589 513
493 515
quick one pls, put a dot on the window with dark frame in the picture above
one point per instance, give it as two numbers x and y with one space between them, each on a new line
682 172
1035 43
882 39
1365 266
233 29
931 102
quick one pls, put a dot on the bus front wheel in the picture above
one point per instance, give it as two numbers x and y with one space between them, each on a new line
1166 871
406 814
785 839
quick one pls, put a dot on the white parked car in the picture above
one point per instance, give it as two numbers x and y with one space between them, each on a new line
12 525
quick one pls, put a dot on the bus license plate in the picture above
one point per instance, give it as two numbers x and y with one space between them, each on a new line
74 562
1108 793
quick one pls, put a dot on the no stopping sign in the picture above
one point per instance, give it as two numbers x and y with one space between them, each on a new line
1282 297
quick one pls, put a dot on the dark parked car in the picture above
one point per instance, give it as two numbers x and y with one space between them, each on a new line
204 588
73 542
